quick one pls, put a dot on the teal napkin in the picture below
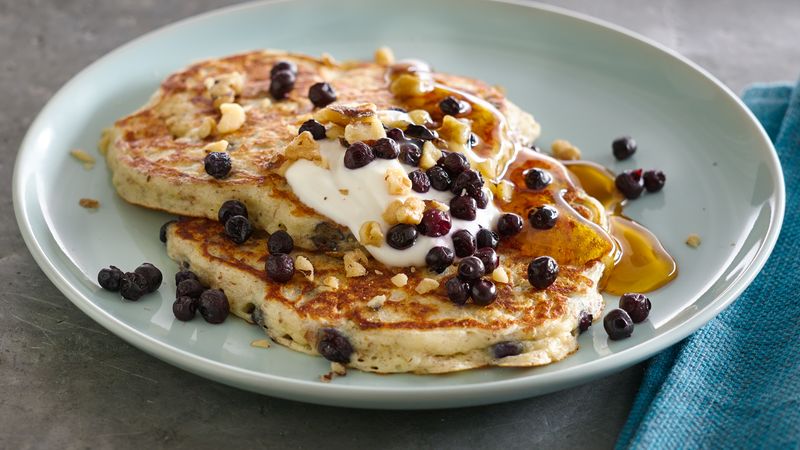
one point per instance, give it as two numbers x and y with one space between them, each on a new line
735 383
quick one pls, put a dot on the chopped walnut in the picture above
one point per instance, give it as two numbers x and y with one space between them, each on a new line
399 280
564 150
384 56
233 117
693 240
455 131
420 117
218 146
83 157
343 114
411 85
371 233
504 190
331 282
397 181
202 131
376 302
426 285
260 343
303 147
430 155
354 262
408 211
368 129
334 131
302 264
89 203
224 88
500 275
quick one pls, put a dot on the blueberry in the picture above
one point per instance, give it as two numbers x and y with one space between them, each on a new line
109 279
636 305
584 321
152 275
630 183
537 179
410 154
481 199
218 164
132 286
543 218
162 233
229 209
281 66
434 223
184 308
420 181
453 106
457 290
321 94
542 272
238 229
213 306
396 134
654 180
470 268
184 275
509 224
386 148
280 267
464 208
455 163
623 148
488 257
420 132
505 349
487 238
189 287
334 346
358 155
483 292
469 181
439 259
618 324
280 242
316 129
401 236
440 179
281 84
463 243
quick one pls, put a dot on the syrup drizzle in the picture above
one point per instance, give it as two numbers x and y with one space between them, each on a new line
634 258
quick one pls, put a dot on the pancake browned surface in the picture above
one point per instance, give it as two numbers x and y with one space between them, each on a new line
407 331
156 154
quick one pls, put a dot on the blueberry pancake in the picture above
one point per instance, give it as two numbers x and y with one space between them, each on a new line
220 129
390 319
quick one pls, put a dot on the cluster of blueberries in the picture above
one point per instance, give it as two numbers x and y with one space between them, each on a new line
631 183
282 79
131 285
191 296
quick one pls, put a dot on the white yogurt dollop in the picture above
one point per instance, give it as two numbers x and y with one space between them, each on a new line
351 197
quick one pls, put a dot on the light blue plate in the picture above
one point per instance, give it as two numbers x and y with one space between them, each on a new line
584 80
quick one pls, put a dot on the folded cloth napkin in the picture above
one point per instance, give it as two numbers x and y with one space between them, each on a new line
735 383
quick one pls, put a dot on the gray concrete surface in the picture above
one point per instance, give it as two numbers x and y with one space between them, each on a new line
67 383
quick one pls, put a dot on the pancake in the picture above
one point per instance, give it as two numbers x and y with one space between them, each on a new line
405 331
156 154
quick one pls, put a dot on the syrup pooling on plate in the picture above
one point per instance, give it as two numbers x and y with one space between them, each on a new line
641 264
576 238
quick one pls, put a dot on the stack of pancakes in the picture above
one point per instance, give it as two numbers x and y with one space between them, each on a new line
156 156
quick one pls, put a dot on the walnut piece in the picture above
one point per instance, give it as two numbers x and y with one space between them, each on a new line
693 240
302 264
371 234
384 56
426 285
233 117
408 211
397 181
399 280
564 150
303 147
354 262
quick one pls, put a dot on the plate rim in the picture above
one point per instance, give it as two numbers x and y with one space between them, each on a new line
402 397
